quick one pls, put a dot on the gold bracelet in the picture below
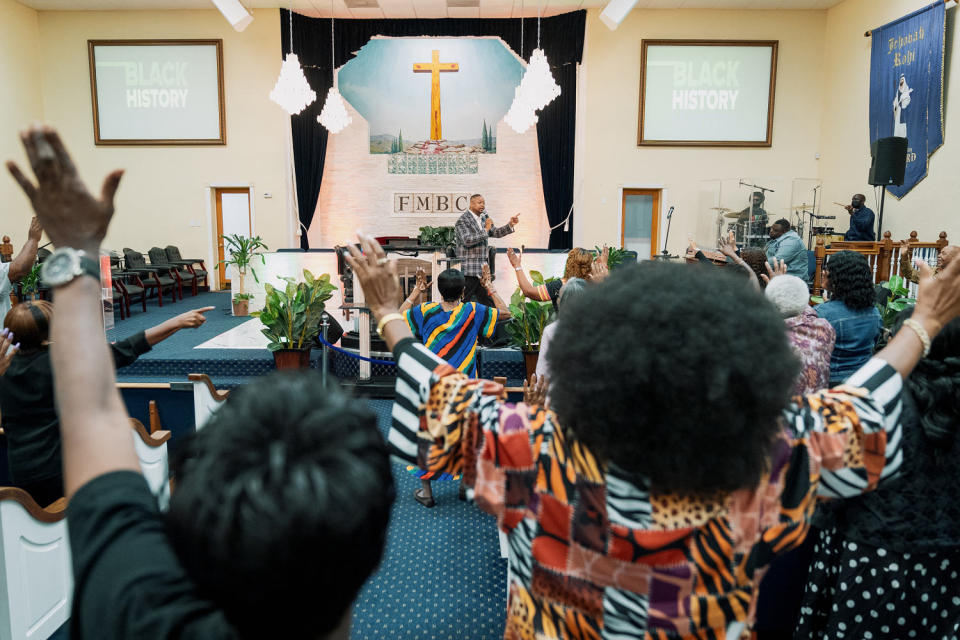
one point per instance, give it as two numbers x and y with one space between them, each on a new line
390 317
921 333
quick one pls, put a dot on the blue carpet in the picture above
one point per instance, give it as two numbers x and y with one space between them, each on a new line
441 576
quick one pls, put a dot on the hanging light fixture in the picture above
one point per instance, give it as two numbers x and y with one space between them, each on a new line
334 114
292 91
537 87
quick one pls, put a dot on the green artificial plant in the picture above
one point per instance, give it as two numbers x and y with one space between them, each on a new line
291 315
528 317
437 236
614 258
242 251
898 299
30 283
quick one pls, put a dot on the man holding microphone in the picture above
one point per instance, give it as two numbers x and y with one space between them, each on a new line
473 230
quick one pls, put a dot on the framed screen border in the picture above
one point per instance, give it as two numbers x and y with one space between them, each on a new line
129 142
771 95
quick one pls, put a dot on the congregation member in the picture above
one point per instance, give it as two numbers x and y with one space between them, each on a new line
787 246
648 499
451 329
571 291
19 266
850 309
472 231
886 565
861 220
580 264
944 257
258 541
27 393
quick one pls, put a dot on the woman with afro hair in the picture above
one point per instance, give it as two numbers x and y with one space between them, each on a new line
848 279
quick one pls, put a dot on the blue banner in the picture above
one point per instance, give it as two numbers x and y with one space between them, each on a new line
906 87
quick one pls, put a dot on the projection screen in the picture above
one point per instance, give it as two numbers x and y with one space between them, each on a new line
707 92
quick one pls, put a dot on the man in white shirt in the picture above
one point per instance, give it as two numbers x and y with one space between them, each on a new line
20 266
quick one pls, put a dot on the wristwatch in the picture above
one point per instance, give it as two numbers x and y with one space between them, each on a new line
65 264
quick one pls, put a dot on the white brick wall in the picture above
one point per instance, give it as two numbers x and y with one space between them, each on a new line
357 192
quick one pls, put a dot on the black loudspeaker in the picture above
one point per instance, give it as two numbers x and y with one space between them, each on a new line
889 161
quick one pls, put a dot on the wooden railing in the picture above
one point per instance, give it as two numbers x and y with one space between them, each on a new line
883 255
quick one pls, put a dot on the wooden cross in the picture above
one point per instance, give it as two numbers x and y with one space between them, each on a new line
434 68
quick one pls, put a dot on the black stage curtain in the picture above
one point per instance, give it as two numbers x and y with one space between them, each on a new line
561 38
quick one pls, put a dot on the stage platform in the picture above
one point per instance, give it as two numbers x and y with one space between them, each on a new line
232 351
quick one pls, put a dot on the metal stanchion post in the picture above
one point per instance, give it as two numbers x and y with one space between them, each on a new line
323 366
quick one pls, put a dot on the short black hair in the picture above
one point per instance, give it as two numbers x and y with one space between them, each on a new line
475 196
850 280
451 283
281 505
784 224
664 390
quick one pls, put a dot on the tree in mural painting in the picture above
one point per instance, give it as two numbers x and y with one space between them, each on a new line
485 138
400 142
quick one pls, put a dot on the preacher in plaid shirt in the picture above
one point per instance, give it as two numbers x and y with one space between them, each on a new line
472 230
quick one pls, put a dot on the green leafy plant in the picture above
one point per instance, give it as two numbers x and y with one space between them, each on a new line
437 236
614 258
291 315
242 251
237 297
528 317
30 283
898 299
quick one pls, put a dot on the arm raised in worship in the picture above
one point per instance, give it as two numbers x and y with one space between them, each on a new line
417 292
23 262
503 309
506 229
468 232
534 293
906 270
728 247
94 427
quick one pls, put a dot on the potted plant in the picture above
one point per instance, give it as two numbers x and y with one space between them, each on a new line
242 251
30 283
527 320
442 237
615 256
291 317
241 304
897 299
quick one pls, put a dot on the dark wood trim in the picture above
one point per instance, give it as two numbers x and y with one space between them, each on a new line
771 97
53 513
91 55
149 439
219 396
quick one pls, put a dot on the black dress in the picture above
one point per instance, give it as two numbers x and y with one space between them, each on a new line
887 565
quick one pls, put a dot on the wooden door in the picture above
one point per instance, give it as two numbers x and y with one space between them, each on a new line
640 221
233 216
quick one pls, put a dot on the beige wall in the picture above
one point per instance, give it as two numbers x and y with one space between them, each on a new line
607 119
163 194
21 104
931 206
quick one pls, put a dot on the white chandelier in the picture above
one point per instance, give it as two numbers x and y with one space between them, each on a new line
334 115
537 87
292 91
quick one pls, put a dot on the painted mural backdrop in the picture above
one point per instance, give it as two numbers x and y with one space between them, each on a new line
432 104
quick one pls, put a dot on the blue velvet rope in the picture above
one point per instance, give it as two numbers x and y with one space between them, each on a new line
389 363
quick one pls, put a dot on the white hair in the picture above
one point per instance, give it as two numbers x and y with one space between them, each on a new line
789 294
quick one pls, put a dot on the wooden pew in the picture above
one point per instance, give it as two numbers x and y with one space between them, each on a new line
36 575
883 255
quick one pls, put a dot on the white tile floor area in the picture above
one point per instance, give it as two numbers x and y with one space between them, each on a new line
244 336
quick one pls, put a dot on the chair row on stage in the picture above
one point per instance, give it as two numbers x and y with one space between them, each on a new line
135 280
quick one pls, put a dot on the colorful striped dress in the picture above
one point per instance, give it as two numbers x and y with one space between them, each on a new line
453 334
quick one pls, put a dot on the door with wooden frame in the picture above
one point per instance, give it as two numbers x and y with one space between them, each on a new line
233 216
640 221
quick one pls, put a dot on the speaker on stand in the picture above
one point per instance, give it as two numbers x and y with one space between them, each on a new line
888 166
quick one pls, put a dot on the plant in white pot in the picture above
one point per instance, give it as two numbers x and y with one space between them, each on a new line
242 251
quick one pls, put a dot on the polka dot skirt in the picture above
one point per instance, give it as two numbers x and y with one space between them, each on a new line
858 591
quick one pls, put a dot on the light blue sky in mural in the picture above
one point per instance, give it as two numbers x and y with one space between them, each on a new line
380 84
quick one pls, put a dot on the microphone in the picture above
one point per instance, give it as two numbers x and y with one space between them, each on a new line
670 213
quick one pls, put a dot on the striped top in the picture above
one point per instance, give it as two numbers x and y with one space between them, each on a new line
594 551
453 334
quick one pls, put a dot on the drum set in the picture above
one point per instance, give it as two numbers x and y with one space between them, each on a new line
750 230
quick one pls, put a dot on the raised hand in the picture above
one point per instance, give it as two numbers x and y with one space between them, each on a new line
728 245
535 391
515 220
779 269
193 318
938 297
8 349
421 280
513 257
599 269
377 275
66 210
691 244
485 276
905 247
35 230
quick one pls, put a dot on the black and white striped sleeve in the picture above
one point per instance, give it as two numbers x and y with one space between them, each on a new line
415 366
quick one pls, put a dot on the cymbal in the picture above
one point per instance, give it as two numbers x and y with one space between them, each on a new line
801 207
734 214
720 209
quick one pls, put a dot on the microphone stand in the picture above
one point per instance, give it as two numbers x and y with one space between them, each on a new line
665 255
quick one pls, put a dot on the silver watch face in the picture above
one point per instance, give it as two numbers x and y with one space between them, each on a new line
61 267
